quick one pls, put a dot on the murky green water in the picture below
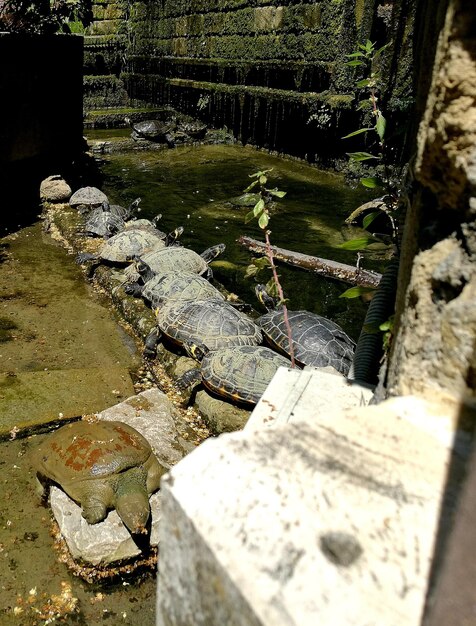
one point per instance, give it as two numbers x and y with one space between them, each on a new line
192 186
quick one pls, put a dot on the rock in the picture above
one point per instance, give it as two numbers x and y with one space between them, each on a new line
152 414
55 189
104 543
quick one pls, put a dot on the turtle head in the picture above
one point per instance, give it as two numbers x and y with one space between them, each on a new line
132 501
264 297
196 350
211 253
173 236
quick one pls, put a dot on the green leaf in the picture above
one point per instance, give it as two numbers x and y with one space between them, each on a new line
370 182
364 104
357 244
388 325
380 50
368 219
361 156
381 125
263 220
354 63
260 173
355 54
357 132
365 82
355 292
258 208
249 217
276 193
263 180
250 187
251 271
261 262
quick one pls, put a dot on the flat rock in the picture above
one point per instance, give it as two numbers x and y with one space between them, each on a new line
151 413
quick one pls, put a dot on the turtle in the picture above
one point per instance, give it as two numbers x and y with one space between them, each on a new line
184 285
212 322
317 341
153 130
125 213
102 465
87 198
194 129
171 259
239 373
122 247
102 223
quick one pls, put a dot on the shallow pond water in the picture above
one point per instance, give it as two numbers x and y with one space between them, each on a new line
193 186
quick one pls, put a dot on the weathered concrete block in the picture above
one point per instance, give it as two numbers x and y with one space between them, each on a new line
300 524
295 394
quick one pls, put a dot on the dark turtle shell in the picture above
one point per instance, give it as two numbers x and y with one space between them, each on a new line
129 243
87 198
179 285
103 223
213 323
153 129
175 259
317 341
241 373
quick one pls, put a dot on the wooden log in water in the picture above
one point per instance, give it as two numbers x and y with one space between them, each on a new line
324 267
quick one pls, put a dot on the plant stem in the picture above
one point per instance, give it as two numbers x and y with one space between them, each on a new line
269 254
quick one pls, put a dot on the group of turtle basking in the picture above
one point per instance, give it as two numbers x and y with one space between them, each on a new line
193 314
105 465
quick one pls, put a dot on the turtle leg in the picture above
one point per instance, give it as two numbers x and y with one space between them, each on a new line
151 342
187 383
96 500
134 289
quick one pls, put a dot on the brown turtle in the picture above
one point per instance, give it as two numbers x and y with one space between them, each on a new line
102 465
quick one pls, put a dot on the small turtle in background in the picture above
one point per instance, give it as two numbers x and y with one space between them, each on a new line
239 373
88 198
153 130
102 465
317 341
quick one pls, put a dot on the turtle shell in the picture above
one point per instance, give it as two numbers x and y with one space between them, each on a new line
103 223
153 129
91 451
129 243
175 259
241 373
317 341
182 285
87 198
212 322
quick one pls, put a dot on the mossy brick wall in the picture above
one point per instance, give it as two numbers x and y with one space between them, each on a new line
105 42
272 71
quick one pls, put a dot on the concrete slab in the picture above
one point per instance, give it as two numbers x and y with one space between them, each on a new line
295 394
329 521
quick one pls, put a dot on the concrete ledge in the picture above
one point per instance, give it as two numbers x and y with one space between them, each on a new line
327 523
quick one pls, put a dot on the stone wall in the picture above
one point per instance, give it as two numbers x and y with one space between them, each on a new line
434 348
273 72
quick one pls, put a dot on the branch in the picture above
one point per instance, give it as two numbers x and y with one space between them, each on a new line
324 267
